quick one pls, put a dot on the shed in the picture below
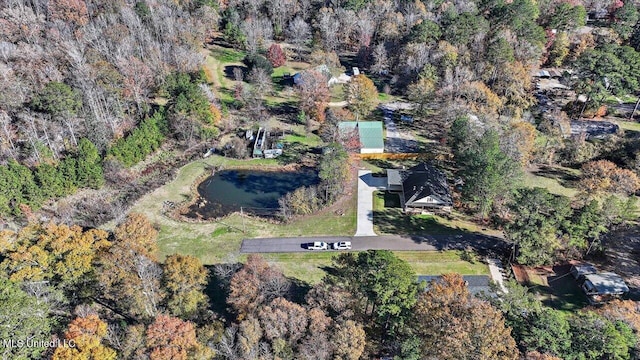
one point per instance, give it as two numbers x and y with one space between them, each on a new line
582 269
370 134
606 283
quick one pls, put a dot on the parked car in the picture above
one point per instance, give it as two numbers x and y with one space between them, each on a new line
342 245
318 245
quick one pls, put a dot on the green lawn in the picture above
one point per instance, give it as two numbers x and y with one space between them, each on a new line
555 184
226 55
388 218
629 125
311 140
310 267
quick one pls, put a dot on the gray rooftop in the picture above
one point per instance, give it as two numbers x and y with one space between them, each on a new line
606 283
578 270
394 177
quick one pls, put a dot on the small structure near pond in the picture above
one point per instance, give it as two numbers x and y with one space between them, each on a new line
370 135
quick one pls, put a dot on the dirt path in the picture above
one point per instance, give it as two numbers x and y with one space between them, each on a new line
211 68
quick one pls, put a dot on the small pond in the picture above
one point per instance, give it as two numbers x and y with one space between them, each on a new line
257 192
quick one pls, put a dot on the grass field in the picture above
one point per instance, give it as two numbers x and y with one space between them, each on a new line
310 267
388 218
557 180
629 125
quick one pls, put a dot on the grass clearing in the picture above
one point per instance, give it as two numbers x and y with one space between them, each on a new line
388 218
311 140
556 184
226 55
629 125
311 267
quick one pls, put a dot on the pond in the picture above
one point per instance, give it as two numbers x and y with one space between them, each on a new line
257 192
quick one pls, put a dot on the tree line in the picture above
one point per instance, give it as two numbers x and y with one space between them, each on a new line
109 293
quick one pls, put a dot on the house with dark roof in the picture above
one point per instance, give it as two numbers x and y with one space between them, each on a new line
370 135
421 188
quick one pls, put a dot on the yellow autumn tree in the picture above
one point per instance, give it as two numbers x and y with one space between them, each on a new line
51 252
129 272
84 341
362 95
184 278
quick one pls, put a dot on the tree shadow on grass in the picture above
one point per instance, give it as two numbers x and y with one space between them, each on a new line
562 292
564 177
228 71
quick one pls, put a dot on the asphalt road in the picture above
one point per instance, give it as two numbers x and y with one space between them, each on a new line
384 242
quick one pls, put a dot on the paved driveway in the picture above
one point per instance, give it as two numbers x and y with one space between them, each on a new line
367 184
384 242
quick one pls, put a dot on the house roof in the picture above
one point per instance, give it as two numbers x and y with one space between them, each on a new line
369 133
606 283
475 283
394 177
425 180
578 270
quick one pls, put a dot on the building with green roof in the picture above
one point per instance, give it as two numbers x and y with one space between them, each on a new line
370 134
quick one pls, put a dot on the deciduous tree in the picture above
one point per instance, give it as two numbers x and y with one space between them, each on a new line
86 335
23 317
453 325
276 55
170 338
362 95
184 277
314 94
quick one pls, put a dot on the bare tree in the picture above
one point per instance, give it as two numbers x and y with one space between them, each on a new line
329 26
299 33
257 32
261 81
365 26
380 59
8 134
150 274
281 11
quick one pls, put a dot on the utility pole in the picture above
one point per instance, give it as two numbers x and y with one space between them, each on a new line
634 109
244 230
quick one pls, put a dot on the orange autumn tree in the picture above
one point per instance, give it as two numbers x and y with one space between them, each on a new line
170 338
452 325
313 92
604 176
84 341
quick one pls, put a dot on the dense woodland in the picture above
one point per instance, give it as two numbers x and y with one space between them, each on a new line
109 294
90 89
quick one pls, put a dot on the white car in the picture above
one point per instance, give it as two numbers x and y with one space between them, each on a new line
342 245
318 245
